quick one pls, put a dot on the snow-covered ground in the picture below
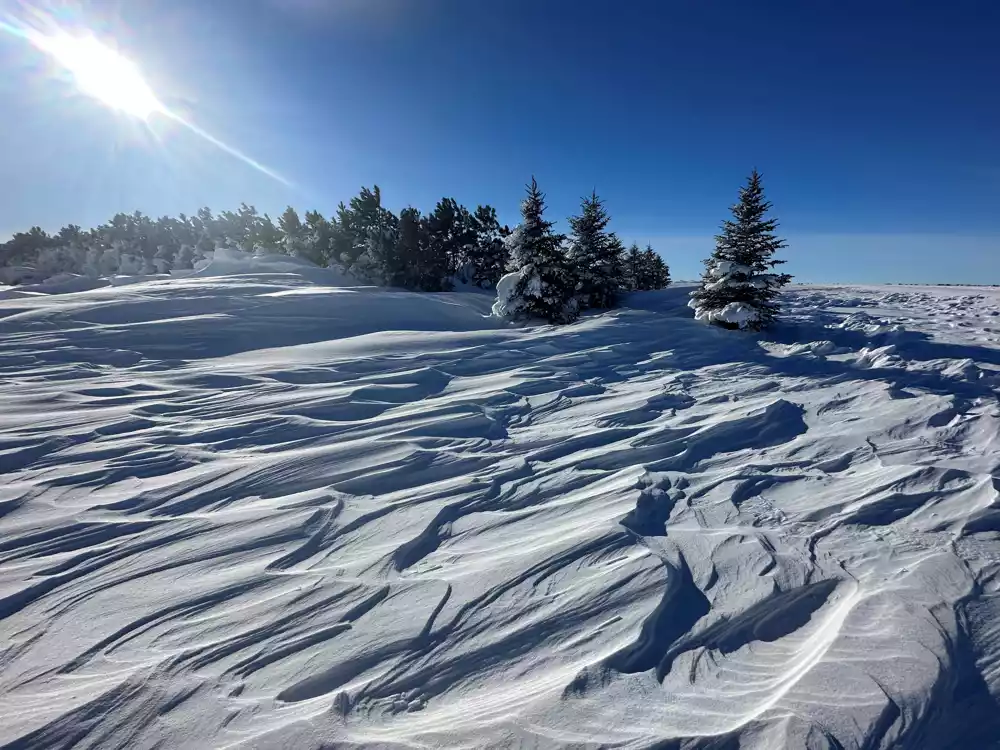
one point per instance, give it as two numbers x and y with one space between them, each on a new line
264 510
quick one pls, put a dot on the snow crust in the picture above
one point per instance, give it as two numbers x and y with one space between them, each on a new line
257 507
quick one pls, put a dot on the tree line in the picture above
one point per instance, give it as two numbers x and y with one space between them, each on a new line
555 279
538 272
426 252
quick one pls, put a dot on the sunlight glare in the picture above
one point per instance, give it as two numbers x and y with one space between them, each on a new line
102 73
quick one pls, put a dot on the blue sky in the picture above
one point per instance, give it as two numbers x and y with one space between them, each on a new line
873 123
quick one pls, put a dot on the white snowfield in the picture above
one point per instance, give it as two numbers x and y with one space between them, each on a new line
251 508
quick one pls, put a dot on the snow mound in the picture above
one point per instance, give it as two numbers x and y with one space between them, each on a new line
232 262
870 325
12 275
122 280
508 304
63 283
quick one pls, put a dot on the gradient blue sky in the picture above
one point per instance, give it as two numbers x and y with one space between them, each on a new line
874 123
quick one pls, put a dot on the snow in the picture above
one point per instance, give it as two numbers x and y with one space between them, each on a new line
19 275
260 507
726 274
506 302
230 261
735 313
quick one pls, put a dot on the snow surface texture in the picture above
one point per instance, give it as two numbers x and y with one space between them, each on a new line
252 510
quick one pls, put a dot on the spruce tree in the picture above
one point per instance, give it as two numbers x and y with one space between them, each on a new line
738 289
618 264
656 273
320 235
542 285
592 255
356 222
379 263
633 268
410 241
661 273
489 253
450 234
269 237
294 235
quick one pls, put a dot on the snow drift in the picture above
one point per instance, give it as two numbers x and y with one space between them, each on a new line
262 509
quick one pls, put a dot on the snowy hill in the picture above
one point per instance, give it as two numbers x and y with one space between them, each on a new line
270 510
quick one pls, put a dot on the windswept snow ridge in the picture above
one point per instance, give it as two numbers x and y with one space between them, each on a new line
267 510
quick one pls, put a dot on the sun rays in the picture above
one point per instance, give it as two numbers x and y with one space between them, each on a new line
103 73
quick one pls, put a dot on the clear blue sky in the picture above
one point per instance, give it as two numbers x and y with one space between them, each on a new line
874 123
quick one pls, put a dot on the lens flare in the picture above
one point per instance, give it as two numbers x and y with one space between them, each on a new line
101 72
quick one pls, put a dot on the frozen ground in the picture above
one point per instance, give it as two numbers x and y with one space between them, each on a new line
257 511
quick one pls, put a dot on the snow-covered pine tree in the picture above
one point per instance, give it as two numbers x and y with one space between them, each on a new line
185 257
268 237
542 284
320 234
738 289
164 258
378 263
592 256
293 233
355 222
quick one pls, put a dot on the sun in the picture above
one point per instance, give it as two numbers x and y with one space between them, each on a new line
102 73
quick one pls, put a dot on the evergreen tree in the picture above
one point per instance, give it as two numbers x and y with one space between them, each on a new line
379 263
737 289
633 268
592 255
210 230
542 285
656 273
431 270
355 223
488 255
240 229
447 234
619 265
185 257
70 233
165 258
269 238
293 233
410 244
320 237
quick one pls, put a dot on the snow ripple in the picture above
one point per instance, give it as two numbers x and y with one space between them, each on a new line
236 511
